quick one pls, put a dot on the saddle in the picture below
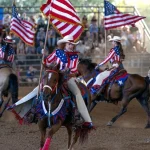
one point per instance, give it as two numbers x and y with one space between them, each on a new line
107 86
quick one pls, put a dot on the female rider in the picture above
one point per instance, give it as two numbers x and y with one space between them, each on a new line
68 59
115 56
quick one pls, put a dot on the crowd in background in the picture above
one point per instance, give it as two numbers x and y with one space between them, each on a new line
92 40
92 37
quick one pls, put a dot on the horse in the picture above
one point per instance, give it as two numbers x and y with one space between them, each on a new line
60 109
135 86
8 86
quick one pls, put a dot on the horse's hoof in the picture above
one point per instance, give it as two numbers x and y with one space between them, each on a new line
110 123
147 126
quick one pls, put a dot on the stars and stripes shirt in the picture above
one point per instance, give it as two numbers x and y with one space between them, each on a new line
10 57
67 60
113 56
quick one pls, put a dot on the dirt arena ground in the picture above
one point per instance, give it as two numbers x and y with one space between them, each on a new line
128 132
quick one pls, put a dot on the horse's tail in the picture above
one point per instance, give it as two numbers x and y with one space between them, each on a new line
83 133
13 87
145 93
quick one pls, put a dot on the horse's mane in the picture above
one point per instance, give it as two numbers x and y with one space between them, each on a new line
88 62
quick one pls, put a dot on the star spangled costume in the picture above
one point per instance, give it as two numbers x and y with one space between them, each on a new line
7 52
67 60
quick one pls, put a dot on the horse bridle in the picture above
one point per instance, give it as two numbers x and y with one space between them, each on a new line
49 87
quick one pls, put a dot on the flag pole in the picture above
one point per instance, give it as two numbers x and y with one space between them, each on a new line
105 43
43 56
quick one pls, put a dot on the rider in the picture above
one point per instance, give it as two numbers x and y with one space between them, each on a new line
68 59
7 52
115 56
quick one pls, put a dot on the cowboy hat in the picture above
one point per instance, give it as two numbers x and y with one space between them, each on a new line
116 39
8 39
67 39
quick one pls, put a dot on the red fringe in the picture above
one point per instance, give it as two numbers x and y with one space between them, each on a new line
17 117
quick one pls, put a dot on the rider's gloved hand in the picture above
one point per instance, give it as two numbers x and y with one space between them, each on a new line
97 67
43 51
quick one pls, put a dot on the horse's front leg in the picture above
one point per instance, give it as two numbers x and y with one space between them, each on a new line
51 132
42 128
69 130
123 110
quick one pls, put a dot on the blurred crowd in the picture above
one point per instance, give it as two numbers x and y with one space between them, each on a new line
93 37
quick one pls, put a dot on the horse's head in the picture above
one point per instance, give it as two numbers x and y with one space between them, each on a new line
51 81
86 66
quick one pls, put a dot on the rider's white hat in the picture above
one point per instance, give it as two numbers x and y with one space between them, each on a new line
67 39
9 39
116 39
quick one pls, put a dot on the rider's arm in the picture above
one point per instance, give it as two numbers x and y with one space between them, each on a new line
50 59
110 55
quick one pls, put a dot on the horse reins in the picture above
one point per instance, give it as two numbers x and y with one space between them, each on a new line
47 86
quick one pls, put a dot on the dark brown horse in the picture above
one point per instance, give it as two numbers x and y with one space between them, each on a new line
60 110
135 87
8 86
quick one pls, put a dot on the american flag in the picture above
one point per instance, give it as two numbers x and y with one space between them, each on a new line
61 10
65 28
114 55
10 56
65 59
63 17
114 18
22 28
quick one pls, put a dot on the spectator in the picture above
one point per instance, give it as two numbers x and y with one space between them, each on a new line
30 75
81 48
51 41
6 20
86 26
40 21
21 47
40 47
30 49
41 35
94 29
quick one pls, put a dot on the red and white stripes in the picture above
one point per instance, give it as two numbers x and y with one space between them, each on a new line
23 30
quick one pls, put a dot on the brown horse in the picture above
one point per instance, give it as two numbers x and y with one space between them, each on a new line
135 87
60 110
8 86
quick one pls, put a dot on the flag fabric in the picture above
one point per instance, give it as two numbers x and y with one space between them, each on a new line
45 8
114 18
63 17
61 10
65 28
22 28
